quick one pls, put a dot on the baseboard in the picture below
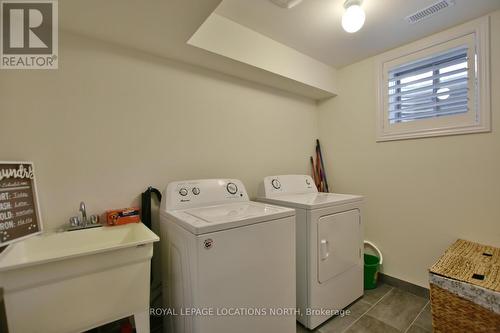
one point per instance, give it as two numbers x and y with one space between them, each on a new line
404 285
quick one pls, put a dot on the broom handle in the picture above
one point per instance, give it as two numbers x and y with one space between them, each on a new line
318 171
322 165
315 178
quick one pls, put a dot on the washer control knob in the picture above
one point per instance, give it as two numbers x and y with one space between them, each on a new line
183 191
308 182
196 190
232 188
276 184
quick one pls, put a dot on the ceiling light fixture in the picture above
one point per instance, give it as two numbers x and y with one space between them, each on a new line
354 16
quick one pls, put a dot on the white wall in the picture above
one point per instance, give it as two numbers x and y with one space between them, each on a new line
112 121
422 194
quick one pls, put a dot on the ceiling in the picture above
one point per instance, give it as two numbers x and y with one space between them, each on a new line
313 27
162 28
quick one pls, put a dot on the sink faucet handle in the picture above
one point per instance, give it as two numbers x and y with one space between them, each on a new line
83 210
74 221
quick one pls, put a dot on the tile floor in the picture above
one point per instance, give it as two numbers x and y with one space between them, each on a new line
385 309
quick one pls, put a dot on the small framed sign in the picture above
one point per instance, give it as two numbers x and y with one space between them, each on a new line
19 207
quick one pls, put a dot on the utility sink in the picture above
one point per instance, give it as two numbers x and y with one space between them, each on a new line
74 281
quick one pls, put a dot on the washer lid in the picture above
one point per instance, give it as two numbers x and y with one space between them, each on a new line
206 219
313 200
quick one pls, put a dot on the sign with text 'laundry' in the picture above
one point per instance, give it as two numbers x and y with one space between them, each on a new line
19 209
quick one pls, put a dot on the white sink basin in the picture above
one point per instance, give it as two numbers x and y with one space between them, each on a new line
64 245
77 280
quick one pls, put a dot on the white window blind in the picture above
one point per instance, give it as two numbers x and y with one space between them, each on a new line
437 86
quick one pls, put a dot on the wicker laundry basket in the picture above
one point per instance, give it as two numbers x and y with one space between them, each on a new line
465 289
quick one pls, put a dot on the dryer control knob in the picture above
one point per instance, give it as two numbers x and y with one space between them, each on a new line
196 190
232 188
183 192
276 184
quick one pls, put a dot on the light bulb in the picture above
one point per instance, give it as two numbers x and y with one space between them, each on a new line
353 18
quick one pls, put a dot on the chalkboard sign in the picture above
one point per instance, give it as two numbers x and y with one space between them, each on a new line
19 209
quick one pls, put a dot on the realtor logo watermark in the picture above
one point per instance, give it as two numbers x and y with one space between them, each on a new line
29 34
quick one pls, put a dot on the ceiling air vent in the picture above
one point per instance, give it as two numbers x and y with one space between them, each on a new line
286 3
429 11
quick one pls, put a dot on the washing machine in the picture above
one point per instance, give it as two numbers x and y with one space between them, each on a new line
329 245
228 263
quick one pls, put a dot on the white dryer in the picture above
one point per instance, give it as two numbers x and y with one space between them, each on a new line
228 262
329 245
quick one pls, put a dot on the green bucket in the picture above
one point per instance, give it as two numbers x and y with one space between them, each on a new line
372 264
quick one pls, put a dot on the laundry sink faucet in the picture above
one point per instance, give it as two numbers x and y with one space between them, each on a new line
82 222
83 210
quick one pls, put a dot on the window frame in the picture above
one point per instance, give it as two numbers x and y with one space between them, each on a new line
474 34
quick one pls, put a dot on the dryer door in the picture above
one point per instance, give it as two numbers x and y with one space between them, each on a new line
338 243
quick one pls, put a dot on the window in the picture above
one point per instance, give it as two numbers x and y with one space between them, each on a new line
433 87
437 86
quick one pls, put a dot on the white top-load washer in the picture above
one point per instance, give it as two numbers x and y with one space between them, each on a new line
228 263
329 245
